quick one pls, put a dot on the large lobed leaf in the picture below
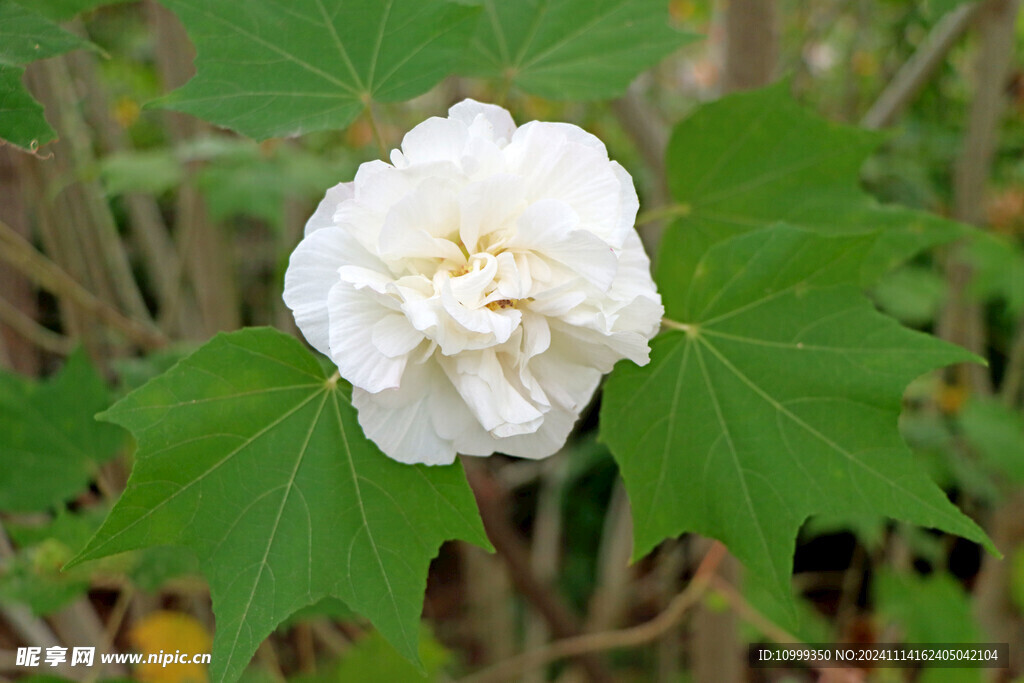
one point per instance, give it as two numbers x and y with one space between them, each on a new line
270 68
50 445
26 36
752 159
63 10
775 396
253 459
571 49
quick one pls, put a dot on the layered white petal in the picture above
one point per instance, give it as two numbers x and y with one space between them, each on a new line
313 271
417 421
323 217
474 290
476 115
354 315
435 139
551 227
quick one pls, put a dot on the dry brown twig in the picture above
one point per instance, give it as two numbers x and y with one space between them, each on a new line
20 253
610 640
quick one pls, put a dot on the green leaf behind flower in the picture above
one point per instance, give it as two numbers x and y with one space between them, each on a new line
774 397
270 68
750 160
253 459
26 36
571 49
50 445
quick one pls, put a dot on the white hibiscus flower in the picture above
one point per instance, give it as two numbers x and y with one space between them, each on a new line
474 290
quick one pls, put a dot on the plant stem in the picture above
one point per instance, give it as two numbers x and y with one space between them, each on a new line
1013 377
914 74
48 340
661 213
18 252
962 320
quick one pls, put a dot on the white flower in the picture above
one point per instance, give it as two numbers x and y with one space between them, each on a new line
475 290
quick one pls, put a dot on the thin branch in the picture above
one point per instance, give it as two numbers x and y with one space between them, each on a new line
46 339
644 125
1013 377
18 252
750 615
545 555
610 640
494 506
612 591
962 321
774 632
914 74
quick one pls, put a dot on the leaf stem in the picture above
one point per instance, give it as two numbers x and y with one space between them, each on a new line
690 330
663 212
381 147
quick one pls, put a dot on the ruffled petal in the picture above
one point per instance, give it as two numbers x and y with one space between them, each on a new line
629 203
558 165
323 217
418 226
489 206
544 442
499 124
313 271
354 313
549 227
401 421
435 139
497 405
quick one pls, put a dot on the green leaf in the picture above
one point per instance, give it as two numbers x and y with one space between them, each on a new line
25 36
253 459
1017 578
21 118
775 397
50 445
270 68
806 622
373 660
911 294
62 10
752 159
998 264
571 49
996 433
148 171
33 576
326 608
929 609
